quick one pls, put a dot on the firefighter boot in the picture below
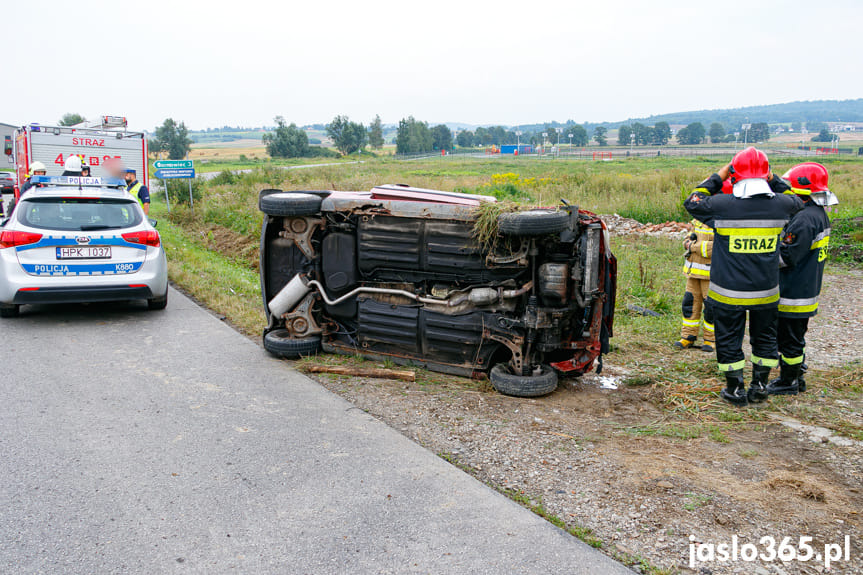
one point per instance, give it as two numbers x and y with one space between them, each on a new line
735 388
685 342
788 382
758 388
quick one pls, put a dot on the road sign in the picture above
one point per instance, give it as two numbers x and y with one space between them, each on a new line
170 174
174 164
746 126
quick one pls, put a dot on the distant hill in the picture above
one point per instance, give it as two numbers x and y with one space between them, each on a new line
808 111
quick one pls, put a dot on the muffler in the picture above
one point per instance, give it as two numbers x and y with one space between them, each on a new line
289 296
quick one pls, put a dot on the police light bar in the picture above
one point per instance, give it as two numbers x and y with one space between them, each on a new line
114 122
77 181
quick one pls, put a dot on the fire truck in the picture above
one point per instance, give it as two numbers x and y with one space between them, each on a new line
99 145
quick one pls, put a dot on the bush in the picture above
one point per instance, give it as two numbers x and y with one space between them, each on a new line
225 177
320 152
178 190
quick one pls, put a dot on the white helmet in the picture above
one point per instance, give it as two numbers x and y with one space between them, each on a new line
37 166
73 164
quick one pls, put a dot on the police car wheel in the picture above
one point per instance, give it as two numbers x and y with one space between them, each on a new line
158 303
541 383
9 310
278 342
533 222
290 204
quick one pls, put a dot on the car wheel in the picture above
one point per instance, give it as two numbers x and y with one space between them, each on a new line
523 385
290 204
158 303
9 310
533 222
278 342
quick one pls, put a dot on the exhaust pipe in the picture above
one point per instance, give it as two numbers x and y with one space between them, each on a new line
289 296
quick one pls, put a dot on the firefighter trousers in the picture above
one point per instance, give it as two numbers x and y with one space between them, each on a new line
730 325
792 339
695 305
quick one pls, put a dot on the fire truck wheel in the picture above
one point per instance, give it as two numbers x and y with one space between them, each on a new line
533 223
290 204
278 342
535 385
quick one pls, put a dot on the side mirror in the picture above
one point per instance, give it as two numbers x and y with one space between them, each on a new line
153 222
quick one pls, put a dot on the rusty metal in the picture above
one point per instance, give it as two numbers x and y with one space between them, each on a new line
300 230
301 322
518 258
514 345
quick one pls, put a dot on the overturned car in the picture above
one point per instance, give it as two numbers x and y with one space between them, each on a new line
397 273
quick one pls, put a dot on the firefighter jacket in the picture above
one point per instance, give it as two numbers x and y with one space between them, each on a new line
802 255
697 264
744 270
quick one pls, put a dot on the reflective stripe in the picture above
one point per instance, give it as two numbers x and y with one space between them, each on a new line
822 243
792 360
798 308
691 322
821 236
697 266
708 326
748 231
697 272
732 297
749 224
732 366
704 249
798 302
800 192
764 361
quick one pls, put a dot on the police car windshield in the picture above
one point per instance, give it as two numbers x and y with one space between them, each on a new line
78 214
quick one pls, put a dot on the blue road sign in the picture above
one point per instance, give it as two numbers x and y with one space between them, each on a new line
174 174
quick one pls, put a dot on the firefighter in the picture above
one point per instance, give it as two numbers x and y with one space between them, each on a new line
36 169
137 189
744 271
696 268
802 256
85 171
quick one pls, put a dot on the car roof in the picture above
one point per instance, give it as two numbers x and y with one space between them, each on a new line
78 192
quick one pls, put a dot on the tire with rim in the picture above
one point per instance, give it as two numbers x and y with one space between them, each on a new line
9 310
523 385
533 222
278 342
289 204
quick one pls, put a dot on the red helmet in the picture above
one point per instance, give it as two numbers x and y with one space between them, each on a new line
808 178
748 164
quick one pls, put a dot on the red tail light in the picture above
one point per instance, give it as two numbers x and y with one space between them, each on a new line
148 238
10 239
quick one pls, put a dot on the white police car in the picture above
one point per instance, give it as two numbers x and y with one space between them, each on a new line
79 240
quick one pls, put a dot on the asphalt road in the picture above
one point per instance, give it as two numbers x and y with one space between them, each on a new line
165 442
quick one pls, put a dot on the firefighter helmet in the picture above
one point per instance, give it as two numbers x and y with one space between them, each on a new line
810 179
37 166
727 188
72 164
749 173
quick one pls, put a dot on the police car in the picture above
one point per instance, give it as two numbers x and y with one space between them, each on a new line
79 240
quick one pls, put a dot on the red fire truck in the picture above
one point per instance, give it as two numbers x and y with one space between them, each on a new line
98 145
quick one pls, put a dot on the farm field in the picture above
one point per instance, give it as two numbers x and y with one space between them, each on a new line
633 470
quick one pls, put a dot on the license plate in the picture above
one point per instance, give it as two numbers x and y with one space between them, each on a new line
84 253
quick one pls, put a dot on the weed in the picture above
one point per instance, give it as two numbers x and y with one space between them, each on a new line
696 500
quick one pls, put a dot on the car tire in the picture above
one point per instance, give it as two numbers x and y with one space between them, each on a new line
158 303
278 342
533 222
289 204
9 310
523 385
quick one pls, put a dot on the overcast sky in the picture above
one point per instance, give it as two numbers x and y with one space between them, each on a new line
235 62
